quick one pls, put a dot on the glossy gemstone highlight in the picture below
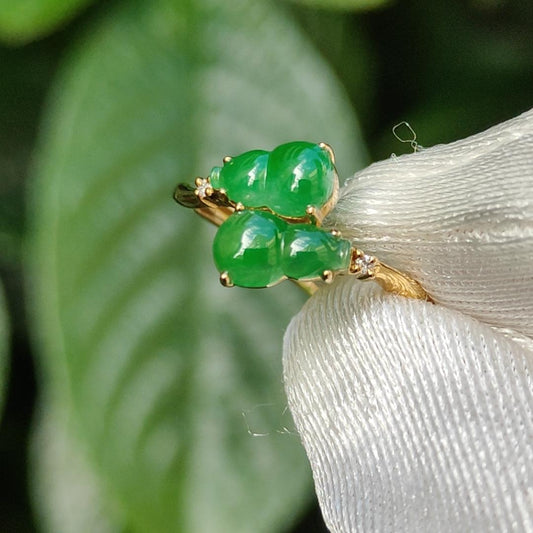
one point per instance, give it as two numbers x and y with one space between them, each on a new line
299 174
287 180
308 251
248 247
243 177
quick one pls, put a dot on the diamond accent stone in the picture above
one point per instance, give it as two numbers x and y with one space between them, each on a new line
364 265
204 189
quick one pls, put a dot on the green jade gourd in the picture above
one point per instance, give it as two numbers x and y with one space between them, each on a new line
269 206
293 180
258 249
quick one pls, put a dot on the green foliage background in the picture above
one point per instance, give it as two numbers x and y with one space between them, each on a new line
142 396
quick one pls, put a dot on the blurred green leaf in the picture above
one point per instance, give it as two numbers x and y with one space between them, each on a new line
346 5
166 371
67 495
4 346
24 20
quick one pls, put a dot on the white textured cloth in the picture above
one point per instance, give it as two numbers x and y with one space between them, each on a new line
419 416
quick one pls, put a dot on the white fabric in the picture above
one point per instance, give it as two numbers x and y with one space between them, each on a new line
415 416
458 218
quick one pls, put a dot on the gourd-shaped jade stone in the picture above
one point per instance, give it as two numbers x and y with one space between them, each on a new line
287 180
307 251
243 178
248 247
258 249
299 174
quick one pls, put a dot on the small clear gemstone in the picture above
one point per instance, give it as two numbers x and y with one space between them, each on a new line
364 265
203 188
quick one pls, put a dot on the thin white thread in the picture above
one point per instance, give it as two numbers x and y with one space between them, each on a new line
284 429
412 141
281 430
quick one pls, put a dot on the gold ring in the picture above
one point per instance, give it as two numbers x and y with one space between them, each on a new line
270 207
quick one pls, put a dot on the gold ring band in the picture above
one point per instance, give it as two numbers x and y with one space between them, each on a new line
213 202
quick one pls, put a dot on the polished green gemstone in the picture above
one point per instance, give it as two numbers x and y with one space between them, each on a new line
243 177
248 247
299 174
287 180
307 251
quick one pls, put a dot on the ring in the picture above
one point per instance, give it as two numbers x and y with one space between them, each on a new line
270 207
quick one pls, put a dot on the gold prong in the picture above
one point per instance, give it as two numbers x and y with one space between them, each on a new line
226 280
327 276
209 191
198 181
355 265
336 233
314 214
329 150
239 206
226 159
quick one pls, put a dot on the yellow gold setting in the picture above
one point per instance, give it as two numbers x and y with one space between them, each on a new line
215 206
